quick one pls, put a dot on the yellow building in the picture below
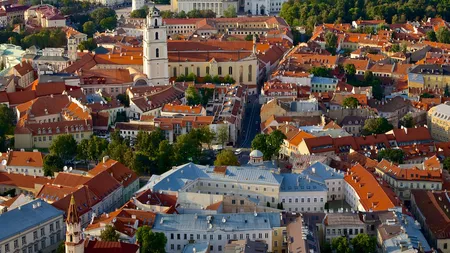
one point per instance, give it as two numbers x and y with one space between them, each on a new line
272 108
429 76
438 121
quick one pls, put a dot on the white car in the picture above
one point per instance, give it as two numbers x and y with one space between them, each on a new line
238 151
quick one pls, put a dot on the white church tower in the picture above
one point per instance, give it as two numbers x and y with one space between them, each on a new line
156 62
74 240
137 4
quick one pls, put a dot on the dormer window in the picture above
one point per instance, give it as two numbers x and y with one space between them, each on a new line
57 129
39 131
49 130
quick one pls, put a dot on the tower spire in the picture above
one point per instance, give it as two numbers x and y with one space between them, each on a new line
72 214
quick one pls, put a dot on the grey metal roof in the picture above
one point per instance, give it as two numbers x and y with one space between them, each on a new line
225 222
27 216
299 182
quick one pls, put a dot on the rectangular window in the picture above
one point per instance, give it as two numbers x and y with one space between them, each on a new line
24 240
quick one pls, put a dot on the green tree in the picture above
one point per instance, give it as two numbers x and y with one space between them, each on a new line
320 71
446 91
275 140
83 150
124 99
226 157
330 42
148 143
187 149
52 164
446 163
260 143
230 12
368 76
141 163
61 247
207 78
149 241
431 36
109 234
223 135
228 79
340 245
193 96
165 156
88 44
64 146
350 102
395 48
6 125
101 13
89 28
140 13
96 148
167 14
392 155
407 121
426 95
249 37
208 136
364 243
350 69
443 35
109 23
376 126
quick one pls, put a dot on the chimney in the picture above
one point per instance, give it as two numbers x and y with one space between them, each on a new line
105 159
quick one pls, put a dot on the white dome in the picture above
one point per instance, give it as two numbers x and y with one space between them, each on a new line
256 153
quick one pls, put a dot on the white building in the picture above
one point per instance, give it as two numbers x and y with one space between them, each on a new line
21 162
137 4
217 6
332 178
130 130
342 224
33 227
156 61
216 230
300 193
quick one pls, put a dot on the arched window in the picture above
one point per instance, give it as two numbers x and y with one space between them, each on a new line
250 73
230 70
157 53
186 71
156 22
219 71
175 71
198 71
156 36
207 70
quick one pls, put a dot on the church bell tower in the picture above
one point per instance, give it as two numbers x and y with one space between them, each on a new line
156 62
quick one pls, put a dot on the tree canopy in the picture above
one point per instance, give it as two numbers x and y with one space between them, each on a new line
350 102
269 145
341 245
364 243
230 12
407 121
308 13
151 242
109 234
64 146
6 125
376 126
226 157
52 163
392 155
320 71
446 163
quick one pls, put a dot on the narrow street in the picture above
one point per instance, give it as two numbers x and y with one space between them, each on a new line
251 124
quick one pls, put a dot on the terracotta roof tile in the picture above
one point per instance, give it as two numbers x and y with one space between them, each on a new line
373 196
116 169
22 158
22 181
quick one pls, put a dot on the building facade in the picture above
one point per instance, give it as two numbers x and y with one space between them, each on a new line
438 121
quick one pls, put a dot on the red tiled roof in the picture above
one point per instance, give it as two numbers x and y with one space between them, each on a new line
22 158
119 171
373 196
409 174
109 247
22 181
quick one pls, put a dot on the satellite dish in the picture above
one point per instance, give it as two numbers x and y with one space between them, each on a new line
65 168
4 162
